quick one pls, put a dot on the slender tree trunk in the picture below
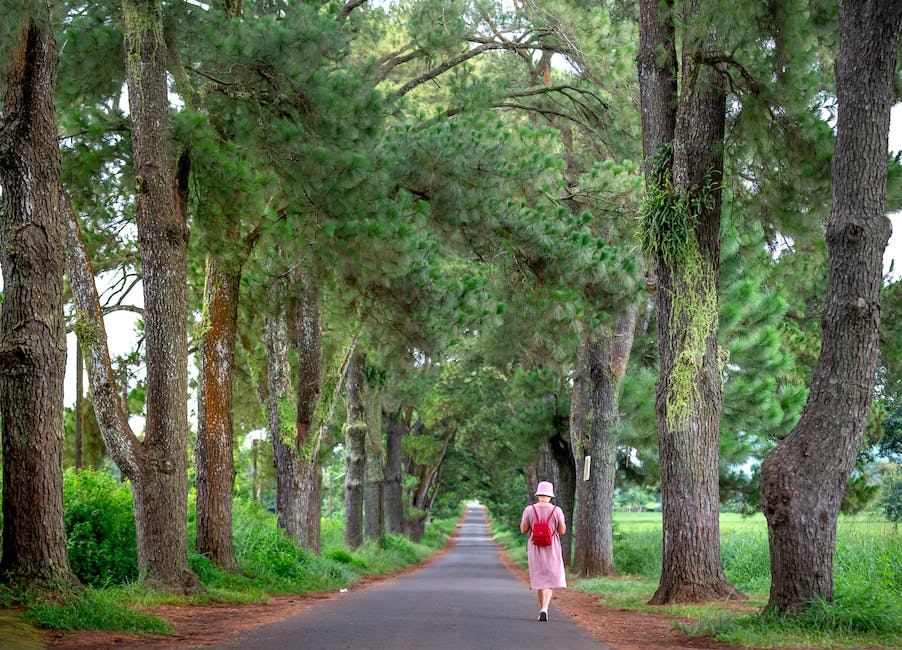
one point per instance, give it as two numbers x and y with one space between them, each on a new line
214 465
291 413
315 509
355 453
79 404
394 500
689 391
32 331
293 480
803 479
601 365
426 488
373 492
124 448
255 479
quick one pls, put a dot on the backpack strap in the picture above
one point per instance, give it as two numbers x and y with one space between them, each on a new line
548 521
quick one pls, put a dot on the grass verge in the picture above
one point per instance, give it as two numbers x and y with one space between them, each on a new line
866 610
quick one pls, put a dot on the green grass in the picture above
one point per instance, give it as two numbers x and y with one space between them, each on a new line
96 609
866 609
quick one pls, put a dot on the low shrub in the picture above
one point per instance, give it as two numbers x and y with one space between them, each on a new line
100 528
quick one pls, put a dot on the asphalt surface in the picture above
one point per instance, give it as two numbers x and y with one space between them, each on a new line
465 600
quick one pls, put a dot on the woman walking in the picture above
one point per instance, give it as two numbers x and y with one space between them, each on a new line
546 564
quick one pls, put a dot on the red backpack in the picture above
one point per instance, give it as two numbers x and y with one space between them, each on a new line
541 530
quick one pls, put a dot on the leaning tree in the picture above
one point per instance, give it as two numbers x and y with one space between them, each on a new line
804 478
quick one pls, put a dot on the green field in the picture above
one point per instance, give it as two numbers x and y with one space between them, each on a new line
734 522
866 608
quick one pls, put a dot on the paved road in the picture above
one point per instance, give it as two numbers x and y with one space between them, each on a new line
465 600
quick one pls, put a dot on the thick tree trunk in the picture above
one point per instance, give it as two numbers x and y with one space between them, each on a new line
214 465
601 365
355 453
161 486
373 492
689 391
307 341
394 499
657 65
803 479
556 465
32 330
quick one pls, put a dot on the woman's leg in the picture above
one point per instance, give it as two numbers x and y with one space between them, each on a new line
540 595
546 598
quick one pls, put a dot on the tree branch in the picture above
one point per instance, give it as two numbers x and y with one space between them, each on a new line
346 10
109 309
719 59
457 60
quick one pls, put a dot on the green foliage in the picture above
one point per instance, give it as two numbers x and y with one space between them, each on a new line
668 220
666 226
890 501
891 443
100 528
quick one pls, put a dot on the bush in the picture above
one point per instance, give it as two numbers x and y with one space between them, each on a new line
100 527
638 553
891 495
271 558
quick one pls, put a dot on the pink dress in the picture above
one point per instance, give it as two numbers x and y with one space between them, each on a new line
546 563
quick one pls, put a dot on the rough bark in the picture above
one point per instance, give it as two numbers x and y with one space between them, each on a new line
373 492
689 391
214 465
160 486
394 500
601 364
291 411
803 479
657 63
294 477
556 465
307 341
32 329
79 403
355 430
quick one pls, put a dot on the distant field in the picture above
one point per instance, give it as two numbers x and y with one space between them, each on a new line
732 522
